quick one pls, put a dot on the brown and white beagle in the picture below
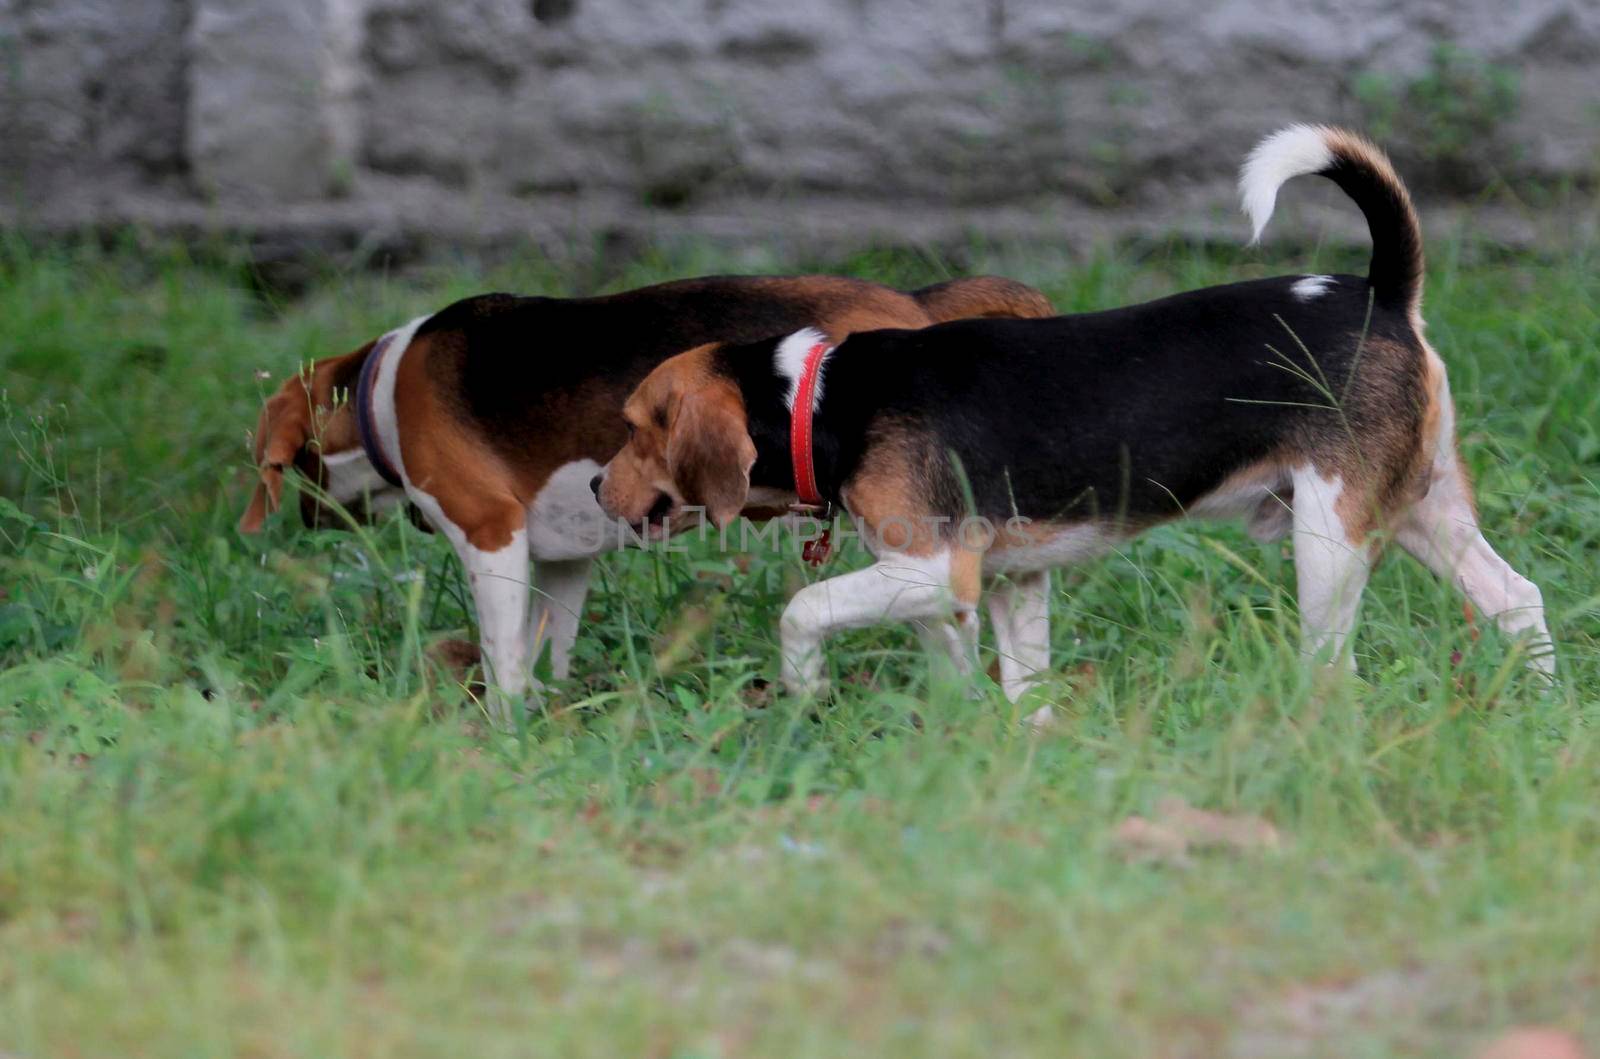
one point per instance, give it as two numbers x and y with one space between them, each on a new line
493 415
1307 405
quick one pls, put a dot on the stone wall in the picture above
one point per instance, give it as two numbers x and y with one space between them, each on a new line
555 117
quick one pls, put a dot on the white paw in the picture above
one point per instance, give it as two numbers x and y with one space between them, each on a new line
1542 660
802 669
814 687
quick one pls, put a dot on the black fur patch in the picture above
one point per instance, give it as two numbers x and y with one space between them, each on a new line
1136 412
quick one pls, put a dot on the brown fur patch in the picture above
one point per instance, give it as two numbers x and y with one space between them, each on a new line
989 296
1433 398
476 491
888 494
966 575
1437 398
640 470
843 305
1376 444
709 451
1357 510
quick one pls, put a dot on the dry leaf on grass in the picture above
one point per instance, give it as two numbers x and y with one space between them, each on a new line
1534 1042
456 657
1179 828
1141 839
1311 1019
691 787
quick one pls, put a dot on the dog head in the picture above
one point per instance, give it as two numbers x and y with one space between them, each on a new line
687 446
310 425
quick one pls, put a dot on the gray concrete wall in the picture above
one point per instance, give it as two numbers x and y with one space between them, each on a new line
557 117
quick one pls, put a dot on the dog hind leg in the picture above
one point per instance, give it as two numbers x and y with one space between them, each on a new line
1330 569
1442 531
1019 608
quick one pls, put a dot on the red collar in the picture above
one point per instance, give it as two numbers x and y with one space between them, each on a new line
811 503
805 390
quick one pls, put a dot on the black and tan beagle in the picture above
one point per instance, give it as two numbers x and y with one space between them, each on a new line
1310 405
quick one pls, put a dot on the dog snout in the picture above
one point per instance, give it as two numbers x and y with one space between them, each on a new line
594 485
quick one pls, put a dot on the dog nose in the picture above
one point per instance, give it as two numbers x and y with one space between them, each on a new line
594 485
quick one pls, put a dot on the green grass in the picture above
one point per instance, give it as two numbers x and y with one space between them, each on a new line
239 814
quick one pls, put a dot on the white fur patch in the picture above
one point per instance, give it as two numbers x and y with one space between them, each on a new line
1308 287
351 476
565 520
1330 572
1291 152
384 423
790 361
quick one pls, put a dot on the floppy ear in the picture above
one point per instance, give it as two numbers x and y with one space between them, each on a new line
281 432
709 452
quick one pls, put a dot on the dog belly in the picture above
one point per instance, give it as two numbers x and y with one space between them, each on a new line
1019 549
565 520
1262 500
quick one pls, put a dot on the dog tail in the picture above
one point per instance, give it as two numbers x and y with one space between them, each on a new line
958 299
1363 172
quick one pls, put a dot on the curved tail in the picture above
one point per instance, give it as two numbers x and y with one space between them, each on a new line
1363 172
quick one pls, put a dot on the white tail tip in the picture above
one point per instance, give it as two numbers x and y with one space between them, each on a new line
1287 153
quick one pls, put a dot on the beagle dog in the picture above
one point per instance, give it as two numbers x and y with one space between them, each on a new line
1307 405
492 416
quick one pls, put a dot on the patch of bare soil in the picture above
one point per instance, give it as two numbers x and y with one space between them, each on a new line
1178 829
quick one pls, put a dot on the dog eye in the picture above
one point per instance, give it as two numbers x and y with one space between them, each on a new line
629 425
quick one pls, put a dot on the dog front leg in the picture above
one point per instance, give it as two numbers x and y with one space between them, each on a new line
493 547
1019 608
1442 531
903 587
948 643
559 589
499 581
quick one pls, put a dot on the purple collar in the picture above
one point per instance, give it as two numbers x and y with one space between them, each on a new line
365 428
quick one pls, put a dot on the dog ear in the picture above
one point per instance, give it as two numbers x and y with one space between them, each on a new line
289 420
281 432
709 452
